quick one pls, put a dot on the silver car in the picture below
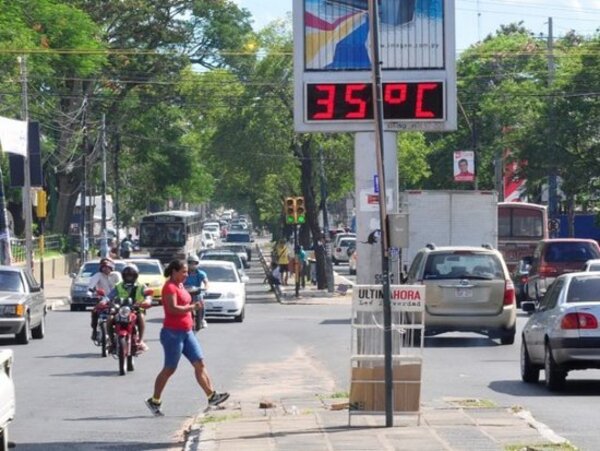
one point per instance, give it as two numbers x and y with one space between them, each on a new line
563 332
22 304
469 289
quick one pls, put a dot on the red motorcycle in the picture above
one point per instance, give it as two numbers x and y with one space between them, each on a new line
125 336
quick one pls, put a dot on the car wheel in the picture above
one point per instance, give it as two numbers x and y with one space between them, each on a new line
240 318
25 334
555 377
39 331
352 272
529 373
334 260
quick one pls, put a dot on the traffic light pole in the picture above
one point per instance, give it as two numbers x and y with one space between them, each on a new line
296 257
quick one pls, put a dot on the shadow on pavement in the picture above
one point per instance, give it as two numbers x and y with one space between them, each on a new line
574 387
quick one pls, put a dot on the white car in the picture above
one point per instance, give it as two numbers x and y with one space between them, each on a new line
208 240
7 395
226 294
592 265
562 333
340 252
214 228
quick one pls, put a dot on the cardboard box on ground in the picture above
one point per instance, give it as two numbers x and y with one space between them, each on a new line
367 388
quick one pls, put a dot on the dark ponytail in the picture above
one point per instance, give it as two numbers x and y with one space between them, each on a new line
175 265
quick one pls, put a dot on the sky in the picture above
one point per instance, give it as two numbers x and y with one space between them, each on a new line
475 19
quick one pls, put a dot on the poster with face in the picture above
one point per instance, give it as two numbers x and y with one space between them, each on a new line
464 166
336 34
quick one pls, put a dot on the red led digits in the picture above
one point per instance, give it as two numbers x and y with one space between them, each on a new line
422 89
412 101
328 102
361 111
395 93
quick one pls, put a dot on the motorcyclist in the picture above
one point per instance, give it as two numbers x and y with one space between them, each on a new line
130 288
196 278
105 279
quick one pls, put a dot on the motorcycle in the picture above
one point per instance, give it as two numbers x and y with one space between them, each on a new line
125 335
197 297
102 309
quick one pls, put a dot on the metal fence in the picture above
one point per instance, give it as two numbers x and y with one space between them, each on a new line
17 246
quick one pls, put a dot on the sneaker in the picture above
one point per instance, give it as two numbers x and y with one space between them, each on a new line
94 337
154 407
203 324
142 347
217 398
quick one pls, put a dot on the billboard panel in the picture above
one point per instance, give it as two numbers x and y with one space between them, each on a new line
464 166
333 71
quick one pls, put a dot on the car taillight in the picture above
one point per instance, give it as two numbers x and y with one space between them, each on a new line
548 271
509 293
579 321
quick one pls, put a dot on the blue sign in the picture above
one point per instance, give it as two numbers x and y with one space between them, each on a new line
376 184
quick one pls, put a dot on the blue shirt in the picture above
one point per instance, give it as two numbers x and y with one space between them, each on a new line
195 279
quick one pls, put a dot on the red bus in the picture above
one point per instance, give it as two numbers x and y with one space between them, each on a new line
520 227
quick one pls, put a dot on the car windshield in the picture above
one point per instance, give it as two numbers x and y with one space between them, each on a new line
148 268
227 257
11 281
91 268
570 252
238 238
463 265
347 242
220 273
584 289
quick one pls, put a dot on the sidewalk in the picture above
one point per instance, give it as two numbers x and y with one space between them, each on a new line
304 421
57 291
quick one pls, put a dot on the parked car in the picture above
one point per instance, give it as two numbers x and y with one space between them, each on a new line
80 297
592 265
150 274
562 333
469 289
7 396
340 252
556 256
228 256
22 304
226 295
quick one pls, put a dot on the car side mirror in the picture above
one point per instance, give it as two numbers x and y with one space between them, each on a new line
36 288
245 279
73 275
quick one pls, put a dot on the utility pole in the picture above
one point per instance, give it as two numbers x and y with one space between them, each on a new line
116 197
82 203
552 179
27 214
385 260
104 241
328 263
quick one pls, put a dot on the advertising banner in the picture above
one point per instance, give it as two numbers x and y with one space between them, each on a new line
464 166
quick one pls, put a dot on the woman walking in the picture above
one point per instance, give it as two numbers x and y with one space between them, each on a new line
177 338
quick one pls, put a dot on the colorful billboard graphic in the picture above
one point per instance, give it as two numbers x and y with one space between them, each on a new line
336 34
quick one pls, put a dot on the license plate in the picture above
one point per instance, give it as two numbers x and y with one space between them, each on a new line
464 292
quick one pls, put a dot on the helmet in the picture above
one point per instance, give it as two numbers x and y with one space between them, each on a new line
193 259
130 273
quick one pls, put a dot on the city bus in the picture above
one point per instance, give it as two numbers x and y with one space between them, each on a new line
170 235
520 226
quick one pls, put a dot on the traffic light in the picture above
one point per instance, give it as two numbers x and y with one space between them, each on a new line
300 210
290 210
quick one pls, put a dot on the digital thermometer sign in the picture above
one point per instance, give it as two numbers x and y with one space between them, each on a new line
413 101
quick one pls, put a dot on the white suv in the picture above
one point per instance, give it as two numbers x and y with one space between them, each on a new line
469 289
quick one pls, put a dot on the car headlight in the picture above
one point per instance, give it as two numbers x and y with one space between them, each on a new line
12 310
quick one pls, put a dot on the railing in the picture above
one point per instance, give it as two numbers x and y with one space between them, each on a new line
17 246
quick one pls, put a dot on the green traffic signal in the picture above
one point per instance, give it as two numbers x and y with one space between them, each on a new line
289 219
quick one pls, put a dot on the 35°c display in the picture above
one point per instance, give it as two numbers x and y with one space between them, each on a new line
419 101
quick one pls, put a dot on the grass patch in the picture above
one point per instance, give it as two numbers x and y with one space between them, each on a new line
207 419
542 447
339 395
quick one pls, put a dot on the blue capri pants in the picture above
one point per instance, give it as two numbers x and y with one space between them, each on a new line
178 342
